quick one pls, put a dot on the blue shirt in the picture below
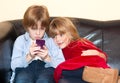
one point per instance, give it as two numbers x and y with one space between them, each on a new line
21 49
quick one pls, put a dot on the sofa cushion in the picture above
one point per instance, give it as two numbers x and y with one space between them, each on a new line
5 59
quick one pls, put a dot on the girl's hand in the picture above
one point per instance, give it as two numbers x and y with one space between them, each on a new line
90 52
93 52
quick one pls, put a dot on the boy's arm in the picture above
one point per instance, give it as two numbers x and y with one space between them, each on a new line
18 59
55 55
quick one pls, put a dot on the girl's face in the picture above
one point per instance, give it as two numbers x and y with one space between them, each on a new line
36 32
62 40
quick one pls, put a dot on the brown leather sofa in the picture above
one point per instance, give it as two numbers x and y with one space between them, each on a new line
105 34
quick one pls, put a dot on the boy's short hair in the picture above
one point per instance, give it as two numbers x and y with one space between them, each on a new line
34 14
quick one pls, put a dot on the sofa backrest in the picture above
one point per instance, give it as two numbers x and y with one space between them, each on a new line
9 31
104 34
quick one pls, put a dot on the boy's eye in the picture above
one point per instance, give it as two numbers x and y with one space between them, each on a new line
34 28
42 28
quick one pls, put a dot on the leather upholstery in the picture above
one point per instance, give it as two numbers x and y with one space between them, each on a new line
104 34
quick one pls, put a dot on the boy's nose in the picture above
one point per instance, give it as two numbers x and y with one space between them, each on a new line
38 32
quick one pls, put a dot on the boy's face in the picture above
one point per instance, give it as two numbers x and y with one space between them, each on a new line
36 32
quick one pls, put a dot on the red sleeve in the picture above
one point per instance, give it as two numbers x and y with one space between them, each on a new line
89 45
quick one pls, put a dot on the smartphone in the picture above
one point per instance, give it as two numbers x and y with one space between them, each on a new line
40 42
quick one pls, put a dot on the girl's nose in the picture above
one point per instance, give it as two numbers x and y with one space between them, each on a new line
57 38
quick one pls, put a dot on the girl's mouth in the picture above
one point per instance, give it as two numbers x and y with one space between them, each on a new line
59 44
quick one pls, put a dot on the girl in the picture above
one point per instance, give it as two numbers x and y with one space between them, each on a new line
84 62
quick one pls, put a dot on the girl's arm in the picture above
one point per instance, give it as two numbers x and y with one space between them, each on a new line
93 52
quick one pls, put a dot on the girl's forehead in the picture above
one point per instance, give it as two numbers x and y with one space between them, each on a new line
58 30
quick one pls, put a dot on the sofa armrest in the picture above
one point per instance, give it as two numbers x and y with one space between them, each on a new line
5 28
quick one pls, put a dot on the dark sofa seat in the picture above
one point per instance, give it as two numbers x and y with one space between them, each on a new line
104 34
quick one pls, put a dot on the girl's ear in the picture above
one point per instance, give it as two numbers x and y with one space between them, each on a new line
69 36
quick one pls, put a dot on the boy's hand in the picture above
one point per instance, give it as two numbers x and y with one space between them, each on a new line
34 49
43 52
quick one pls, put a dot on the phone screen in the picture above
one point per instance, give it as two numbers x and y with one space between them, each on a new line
40 42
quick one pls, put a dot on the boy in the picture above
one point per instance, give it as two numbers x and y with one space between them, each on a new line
31 63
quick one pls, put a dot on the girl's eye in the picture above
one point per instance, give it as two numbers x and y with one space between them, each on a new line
61 35
53 36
